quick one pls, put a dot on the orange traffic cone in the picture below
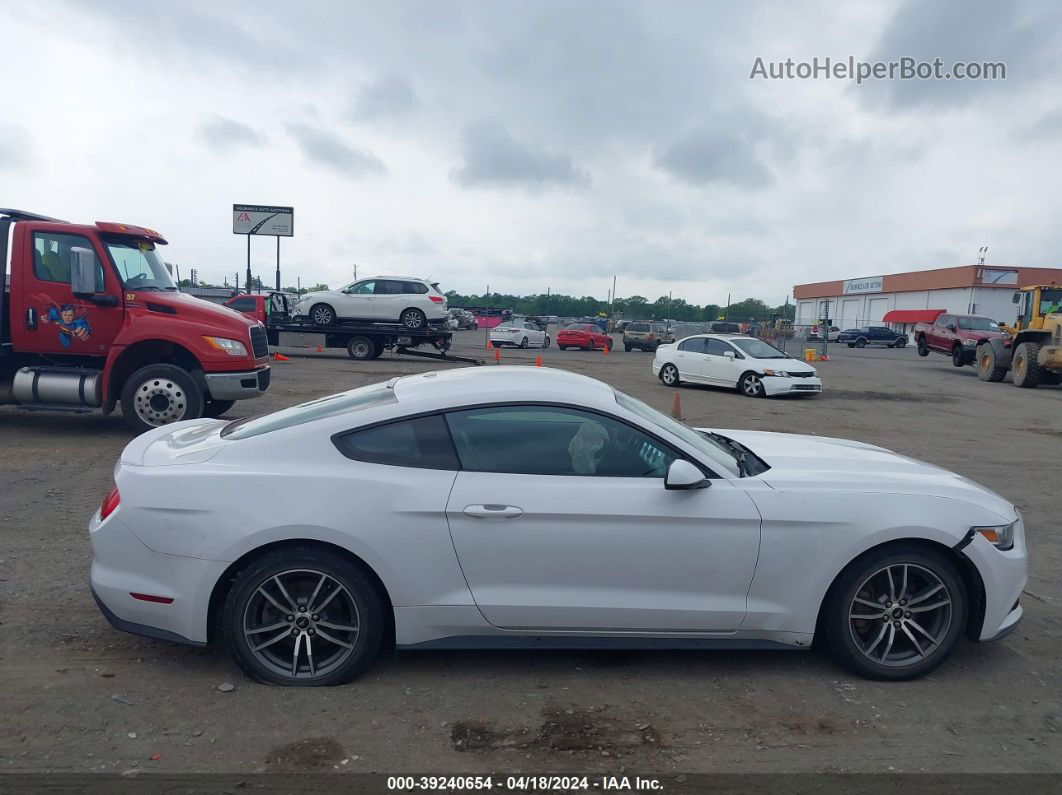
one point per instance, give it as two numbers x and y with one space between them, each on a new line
538 360
279 357
497 355
604 350
676 407
488 345
319 349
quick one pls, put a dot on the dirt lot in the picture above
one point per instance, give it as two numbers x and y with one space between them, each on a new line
79 696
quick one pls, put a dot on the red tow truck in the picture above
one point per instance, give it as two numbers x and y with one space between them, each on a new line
956 336
90 317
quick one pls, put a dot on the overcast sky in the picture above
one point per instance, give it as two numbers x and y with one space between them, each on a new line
535 144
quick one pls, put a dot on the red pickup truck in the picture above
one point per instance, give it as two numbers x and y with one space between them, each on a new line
956 336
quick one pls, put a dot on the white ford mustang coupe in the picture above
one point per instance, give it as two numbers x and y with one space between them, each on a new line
515 507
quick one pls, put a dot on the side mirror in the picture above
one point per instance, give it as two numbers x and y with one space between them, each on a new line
82 272
1015 298
683 475
729 355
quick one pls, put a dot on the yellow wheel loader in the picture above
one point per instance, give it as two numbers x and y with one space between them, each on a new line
1032 347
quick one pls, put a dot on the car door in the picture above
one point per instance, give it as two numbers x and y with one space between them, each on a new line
357 301
561 521
536 337
389 300
721 362
53 319
689 359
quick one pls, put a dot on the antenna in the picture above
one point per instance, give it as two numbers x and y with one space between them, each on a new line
981 252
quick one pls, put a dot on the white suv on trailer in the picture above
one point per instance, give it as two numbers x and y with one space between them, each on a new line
413 302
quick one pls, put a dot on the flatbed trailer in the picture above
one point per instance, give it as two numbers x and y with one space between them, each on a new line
362 340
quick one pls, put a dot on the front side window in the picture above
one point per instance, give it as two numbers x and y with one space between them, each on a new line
717 348
362 288
421 442
1050 301
242 304
545 440
139 265
53 255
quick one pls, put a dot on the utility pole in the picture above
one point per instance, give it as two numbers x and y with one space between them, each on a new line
726 314
486 314
355 271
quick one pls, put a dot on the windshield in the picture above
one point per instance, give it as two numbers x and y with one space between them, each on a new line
1050 302
758 349
978 324
713 451
139 265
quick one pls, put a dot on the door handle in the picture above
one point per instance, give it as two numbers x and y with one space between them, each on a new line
493 511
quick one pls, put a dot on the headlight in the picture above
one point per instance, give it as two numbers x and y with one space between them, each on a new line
778 373
231 347
970 343
1001 536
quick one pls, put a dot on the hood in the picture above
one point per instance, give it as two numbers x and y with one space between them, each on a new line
189 308
789 365
188 442
307 297
816 463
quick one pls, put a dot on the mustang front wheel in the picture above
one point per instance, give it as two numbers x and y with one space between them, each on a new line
896 614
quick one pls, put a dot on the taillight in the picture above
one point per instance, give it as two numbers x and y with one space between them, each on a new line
437 299
110 502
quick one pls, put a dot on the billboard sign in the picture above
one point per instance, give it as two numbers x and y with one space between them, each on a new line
871 284
257 219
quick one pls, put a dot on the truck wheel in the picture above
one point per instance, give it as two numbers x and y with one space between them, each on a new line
987 370
158 395
958 356
361 348
322 315
1027 371
413 319
378 350
923 349
861 343
215 408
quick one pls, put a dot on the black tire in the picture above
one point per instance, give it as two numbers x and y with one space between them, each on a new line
361 348
923 348
861 343
627 348
243 598
751 385
159 394
562 347
901 342
958 356
322 315
590 344
985 362
378 350
413 319
848 637
545 342
216 408
609 343
851 344
523 342
1027 372
669 376
495 344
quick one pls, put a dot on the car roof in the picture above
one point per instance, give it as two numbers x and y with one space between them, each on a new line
471 385
724 337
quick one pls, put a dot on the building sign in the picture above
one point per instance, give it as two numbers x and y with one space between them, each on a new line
871 284
256 219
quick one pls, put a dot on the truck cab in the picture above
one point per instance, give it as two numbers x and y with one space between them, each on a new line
91 318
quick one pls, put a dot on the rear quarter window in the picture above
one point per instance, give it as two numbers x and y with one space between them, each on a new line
421 442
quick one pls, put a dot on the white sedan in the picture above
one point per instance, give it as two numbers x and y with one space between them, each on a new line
751 366
524 507
520 333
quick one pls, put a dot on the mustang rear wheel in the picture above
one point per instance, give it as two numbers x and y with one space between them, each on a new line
896 614
303 616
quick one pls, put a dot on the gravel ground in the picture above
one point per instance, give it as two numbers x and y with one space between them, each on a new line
79 696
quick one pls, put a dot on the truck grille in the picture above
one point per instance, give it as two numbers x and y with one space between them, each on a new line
259 342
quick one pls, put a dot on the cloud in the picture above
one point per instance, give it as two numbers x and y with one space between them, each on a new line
1047 127
388 95
14 148
1017 34
712 155
222 134
326 149
494 158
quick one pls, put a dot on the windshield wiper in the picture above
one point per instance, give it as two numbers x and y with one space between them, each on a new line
735 449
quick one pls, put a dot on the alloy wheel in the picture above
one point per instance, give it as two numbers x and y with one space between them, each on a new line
752 385
301 623
900 615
